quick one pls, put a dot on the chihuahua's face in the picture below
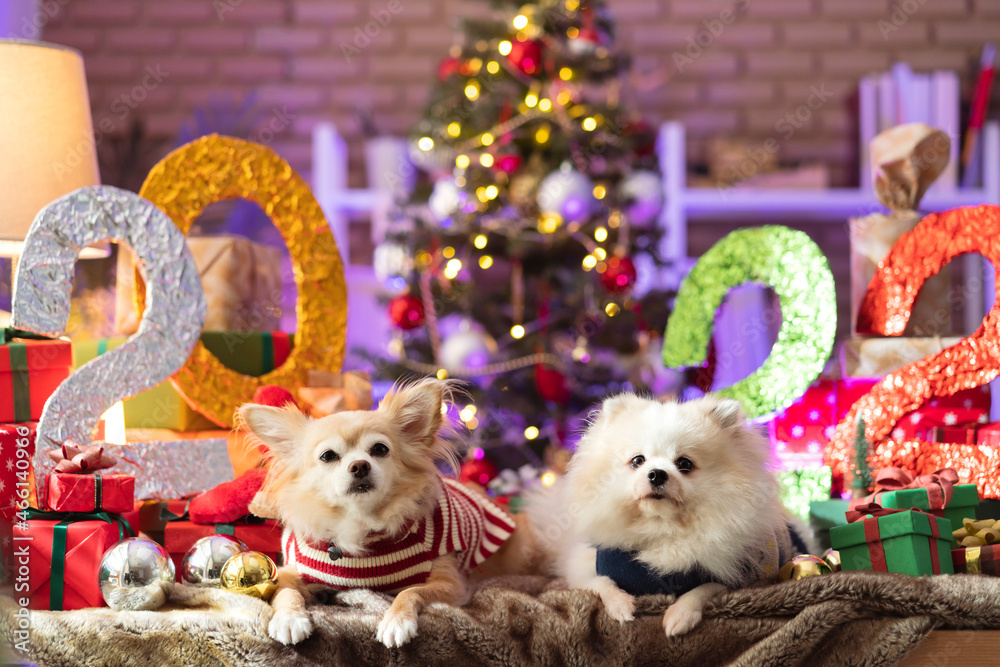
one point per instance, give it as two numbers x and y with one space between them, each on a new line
644 466
370 469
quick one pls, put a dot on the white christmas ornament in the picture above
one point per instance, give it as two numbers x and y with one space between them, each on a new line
446 198
568 193
391 261
468 348
643 196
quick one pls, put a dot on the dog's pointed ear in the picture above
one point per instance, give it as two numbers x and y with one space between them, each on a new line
278 428
616 405
727 412
416 408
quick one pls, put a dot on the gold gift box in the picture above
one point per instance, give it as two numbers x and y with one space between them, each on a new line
242 282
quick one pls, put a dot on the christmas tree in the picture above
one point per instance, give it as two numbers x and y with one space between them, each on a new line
519 264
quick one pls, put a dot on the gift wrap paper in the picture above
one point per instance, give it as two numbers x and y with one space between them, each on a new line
72 557
963 503
241 278
977 560
30 370
905 538
94 492
877 357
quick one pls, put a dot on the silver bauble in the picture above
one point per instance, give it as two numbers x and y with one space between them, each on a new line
137 575
204 560
567 193
642 194
468 348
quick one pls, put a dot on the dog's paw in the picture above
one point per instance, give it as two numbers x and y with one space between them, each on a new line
289 628
395 629
619 604
680 619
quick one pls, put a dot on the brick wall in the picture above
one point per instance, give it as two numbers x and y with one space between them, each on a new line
737 74
722 67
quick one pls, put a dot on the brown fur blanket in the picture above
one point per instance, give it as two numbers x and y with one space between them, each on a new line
853 618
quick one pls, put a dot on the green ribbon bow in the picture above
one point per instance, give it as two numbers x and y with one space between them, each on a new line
60 534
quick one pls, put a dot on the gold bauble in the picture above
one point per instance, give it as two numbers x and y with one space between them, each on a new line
250 573
802 566
832 557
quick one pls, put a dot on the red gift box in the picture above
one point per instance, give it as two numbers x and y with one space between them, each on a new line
977 560
17 447
966 434
30 370
93 492
807 425
63 556
265 537
988 434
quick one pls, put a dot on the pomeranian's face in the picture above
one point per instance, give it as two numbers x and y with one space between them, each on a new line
370 468
645 466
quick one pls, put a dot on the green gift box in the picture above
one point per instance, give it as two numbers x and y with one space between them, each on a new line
824 515
907 542
963 503
162 407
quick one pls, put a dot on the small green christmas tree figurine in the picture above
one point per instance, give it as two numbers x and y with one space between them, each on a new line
862 481
519 261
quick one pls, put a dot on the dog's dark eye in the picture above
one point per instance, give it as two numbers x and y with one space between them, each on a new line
637 461
329 456
684 464
379 449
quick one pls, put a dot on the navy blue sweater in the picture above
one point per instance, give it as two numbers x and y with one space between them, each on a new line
636 578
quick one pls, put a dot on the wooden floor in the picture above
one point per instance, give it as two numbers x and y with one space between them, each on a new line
968 648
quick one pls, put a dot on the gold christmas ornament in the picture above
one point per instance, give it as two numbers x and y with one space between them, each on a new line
250 573
214 168
802 566
832 557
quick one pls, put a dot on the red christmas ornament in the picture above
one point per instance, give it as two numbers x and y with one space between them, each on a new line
448 68
508 164
273 395
619 276
478 471
406 311
526 56
551 384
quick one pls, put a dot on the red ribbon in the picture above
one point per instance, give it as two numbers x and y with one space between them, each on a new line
73 459
870 514
938 484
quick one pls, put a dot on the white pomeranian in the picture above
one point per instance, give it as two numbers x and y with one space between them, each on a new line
667 498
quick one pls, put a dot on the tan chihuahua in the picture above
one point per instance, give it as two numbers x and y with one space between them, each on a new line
364 506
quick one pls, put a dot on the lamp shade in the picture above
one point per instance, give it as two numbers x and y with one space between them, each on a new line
46 136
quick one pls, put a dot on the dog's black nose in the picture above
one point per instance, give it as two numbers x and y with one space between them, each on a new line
657 477
359 469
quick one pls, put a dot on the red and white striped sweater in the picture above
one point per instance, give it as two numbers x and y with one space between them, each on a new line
462 521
